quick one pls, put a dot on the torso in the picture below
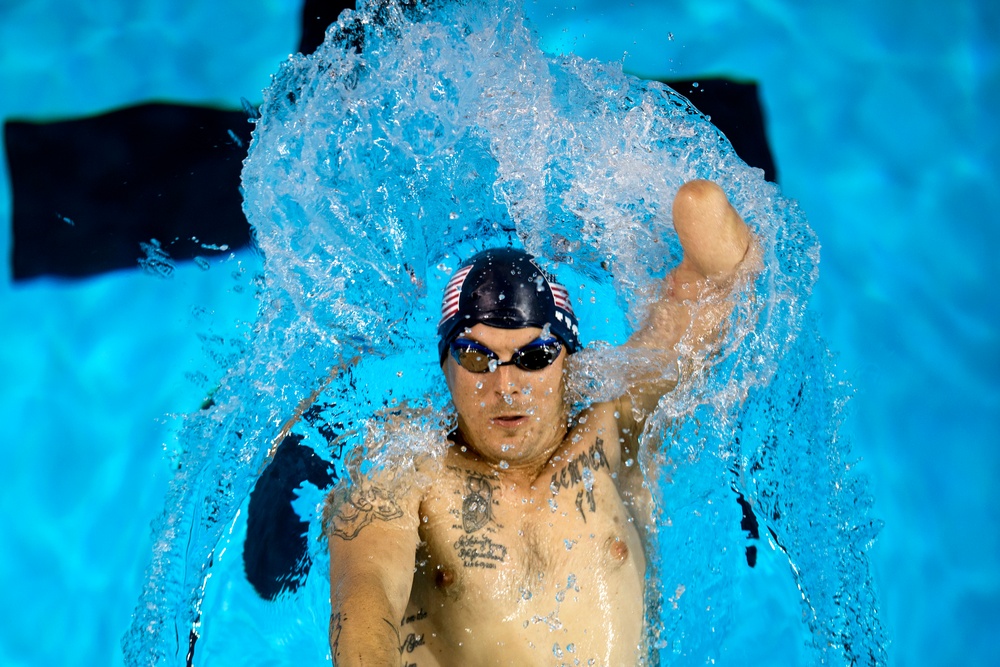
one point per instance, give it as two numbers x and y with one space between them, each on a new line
518 571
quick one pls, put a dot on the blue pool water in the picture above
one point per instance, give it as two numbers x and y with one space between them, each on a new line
879 122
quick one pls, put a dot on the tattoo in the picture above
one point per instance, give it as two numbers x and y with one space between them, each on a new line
413 640
411 643
478 501
363 506
419 616
577 471
477 522
335 629
591 503
477 506
480 552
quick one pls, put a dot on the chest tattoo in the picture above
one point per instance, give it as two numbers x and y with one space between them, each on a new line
476 546
477 505
579 471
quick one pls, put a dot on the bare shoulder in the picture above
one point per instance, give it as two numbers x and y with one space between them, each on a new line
351 508
389 496
596 433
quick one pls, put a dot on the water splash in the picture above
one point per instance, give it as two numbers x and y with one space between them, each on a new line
418 134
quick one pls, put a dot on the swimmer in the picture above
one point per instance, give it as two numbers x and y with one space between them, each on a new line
526 546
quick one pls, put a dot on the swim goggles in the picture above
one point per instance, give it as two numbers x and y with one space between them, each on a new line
476 358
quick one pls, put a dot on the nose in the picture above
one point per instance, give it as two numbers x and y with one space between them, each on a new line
507 379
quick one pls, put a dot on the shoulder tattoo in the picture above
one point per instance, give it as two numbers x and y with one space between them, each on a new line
363 505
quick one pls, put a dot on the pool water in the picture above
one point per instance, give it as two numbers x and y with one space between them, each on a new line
879 121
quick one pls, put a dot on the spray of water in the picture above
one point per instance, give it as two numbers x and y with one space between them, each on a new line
420 133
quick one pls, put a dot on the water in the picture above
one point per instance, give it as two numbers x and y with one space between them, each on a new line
404 143
904 304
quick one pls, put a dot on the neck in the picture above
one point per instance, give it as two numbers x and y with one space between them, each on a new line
527 469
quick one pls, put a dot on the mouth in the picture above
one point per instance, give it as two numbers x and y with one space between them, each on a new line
509 421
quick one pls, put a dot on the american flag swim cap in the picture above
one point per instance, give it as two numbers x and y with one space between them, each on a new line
504 288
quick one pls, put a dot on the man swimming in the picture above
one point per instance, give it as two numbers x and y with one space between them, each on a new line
525 546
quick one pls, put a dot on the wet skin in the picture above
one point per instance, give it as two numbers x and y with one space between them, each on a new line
527 549
522 547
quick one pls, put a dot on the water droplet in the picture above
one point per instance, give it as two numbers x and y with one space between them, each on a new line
503 464
556 651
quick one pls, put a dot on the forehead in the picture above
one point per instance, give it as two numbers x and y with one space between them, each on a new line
498 339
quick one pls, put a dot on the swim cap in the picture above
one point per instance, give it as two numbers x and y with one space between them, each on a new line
504 288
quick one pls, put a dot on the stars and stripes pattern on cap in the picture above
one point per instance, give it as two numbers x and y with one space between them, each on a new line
561 297
453 293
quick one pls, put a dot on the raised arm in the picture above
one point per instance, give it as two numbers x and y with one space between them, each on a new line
715 241
373 535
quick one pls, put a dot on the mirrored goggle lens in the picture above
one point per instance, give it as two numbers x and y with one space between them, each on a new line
473 358
534 356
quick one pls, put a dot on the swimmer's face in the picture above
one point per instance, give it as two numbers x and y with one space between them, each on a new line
509 414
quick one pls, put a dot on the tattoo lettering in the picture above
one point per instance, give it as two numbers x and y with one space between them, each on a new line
419 616
411 643
577 471
591 503
363 506
480 552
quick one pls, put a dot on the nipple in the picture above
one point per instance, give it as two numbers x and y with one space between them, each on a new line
617 548
443 577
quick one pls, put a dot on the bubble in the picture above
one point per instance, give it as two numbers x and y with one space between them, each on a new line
366 157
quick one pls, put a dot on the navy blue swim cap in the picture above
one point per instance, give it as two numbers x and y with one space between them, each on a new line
504 288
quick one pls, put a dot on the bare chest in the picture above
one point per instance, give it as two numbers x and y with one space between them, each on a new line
486 536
